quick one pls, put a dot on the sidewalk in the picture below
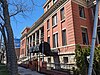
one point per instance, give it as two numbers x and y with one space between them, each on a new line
23 71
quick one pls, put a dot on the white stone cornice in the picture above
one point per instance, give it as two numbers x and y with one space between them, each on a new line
55 11
35 30
46 3
46 14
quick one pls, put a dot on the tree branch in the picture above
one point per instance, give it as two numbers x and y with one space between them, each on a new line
15 13
1 17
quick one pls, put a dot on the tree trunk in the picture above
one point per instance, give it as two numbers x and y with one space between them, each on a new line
10 41
5 43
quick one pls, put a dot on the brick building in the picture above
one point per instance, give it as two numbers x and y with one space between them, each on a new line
64 24
23 45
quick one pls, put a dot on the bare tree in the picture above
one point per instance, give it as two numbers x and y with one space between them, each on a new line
8 9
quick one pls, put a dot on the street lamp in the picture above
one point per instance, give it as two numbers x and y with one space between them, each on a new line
93 38
88 59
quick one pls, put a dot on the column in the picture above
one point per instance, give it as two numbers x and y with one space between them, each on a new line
29 42
32 40
40 36
35 37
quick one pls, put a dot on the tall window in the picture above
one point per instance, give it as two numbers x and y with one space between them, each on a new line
64 37
49 40
54 20
48 24
48 6
62 13
54 1
81 11
55 40
85 36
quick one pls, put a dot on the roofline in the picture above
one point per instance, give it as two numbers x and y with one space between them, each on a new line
24 29
41 19
46 3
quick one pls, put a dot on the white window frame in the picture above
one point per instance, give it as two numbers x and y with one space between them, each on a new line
56 40
54 20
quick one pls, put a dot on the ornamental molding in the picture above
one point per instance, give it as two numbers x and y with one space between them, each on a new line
46 14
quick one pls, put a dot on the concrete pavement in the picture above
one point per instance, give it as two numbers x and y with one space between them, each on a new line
23 71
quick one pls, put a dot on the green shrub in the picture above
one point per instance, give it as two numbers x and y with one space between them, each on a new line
81 59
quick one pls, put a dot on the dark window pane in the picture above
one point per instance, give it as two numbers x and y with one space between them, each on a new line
49 60
62 14
48 24
85 36
55 40
64 37
81 11
48 6
54 45
49 40
65 59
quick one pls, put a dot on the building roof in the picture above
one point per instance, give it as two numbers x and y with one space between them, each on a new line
25 29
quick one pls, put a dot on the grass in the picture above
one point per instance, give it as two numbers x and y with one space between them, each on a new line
3 69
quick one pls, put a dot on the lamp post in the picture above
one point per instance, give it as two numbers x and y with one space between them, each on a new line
93 38
88 59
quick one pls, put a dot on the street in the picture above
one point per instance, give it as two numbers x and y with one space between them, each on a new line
23 71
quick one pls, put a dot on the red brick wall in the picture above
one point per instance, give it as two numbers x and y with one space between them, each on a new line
23 42
69 24
17 52
66 24
23 47
79 22
25 31
73 23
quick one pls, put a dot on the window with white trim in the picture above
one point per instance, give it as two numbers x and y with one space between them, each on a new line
84 36
54 20
62 14
48 6
81 11
54 1
64 37
55 40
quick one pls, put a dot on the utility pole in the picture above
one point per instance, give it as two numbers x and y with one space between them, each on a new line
93 38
